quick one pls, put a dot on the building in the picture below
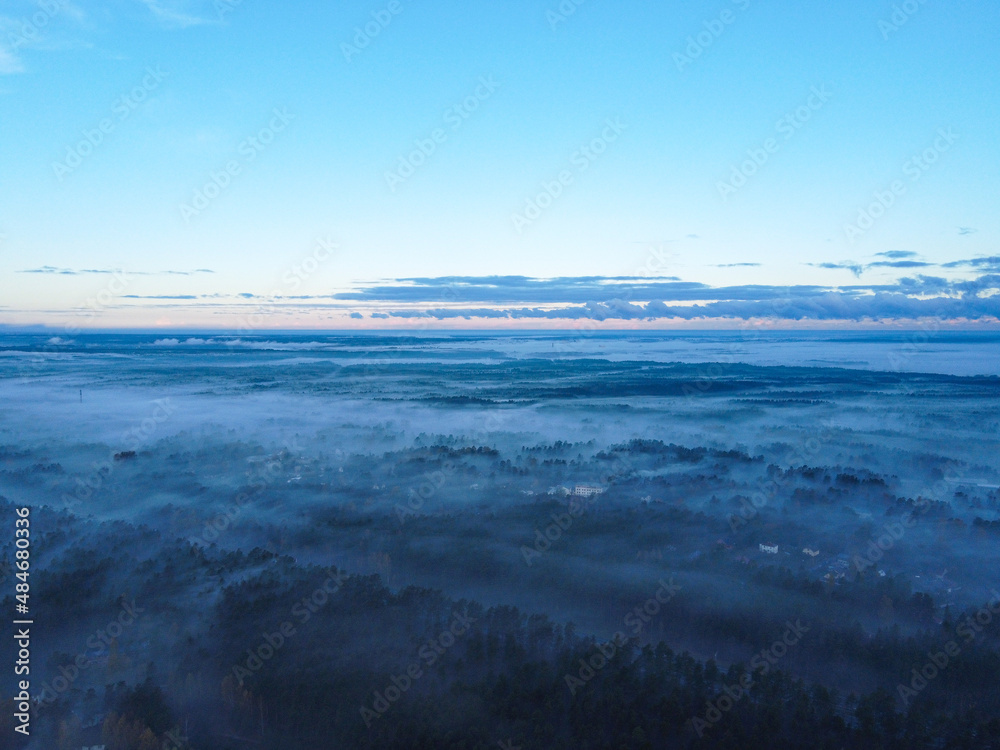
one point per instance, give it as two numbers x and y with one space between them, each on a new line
771 549
810 552
587 490
91 738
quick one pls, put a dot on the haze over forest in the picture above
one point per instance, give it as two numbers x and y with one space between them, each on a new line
543 498
564 375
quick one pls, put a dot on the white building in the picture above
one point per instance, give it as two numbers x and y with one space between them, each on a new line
771 549
587 490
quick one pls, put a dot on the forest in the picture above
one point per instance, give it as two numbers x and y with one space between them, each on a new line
243 549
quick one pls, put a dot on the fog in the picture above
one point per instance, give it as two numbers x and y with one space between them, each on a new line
450 464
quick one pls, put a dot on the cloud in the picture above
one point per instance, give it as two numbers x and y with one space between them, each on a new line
53 269
737 265
175 14
849 265
9 62
522 289
989 263
908 298
39 29
896 254
829 307
636 298
160 296
85 271
967 230
448 312
923 285
899 264
187 342
897 260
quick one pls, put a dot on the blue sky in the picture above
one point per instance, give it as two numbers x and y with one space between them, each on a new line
739 151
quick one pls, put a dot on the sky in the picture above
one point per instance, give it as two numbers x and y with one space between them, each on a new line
242 165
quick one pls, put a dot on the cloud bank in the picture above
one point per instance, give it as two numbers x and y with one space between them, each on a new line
625 298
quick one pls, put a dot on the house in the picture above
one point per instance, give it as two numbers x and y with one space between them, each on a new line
771 549
587 490
91 738
810 552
